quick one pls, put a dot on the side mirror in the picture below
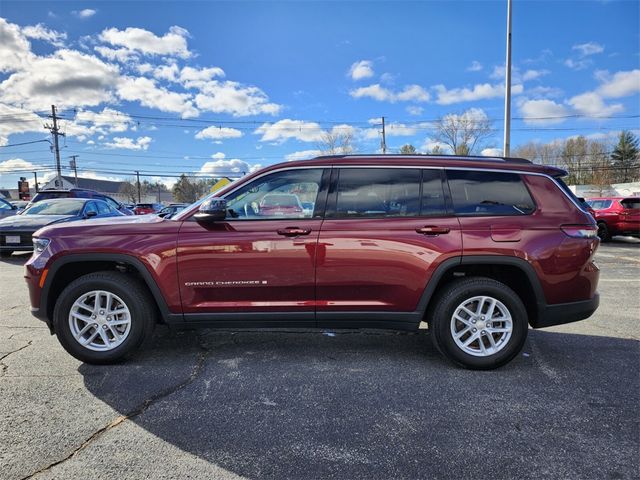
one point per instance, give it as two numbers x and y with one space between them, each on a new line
212 210
90 214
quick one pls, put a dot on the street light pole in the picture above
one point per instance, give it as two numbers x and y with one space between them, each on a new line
507 88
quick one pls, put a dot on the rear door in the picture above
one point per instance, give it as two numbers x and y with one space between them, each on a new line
630 215
385 232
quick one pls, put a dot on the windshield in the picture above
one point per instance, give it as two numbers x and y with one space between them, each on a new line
67 207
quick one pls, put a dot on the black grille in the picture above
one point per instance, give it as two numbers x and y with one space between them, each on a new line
25 238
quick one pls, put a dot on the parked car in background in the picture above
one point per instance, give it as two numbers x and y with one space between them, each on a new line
616 216
7 209
16 231
147 208
587 207
170 210
478 249
79 193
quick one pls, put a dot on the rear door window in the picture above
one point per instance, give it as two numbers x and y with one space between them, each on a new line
633 203
477 193
378 192
599 204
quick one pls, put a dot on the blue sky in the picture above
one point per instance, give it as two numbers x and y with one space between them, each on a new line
223 87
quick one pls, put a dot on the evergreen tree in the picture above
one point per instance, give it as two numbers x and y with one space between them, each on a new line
626 158
408 149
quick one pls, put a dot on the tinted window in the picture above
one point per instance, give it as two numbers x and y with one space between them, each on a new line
631 203
278 195
103 208
48 195
378 192
599 204
91 207
111 202
5 205
489 193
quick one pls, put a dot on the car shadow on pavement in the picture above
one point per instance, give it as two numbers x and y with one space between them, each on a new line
376 404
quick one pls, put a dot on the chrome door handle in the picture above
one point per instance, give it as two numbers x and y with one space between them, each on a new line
294 231
433 230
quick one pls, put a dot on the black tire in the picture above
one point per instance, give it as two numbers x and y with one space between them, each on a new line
455 293
5 253
603 232
135 296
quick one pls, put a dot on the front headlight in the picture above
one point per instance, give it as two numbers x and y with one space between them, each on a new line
39 245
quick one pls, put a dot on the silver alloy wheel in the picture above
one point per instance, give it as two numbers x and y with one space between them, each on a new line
481 326
99 320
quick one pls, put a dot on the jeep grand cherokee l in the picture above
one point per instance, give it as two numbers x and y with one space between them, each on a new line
478 249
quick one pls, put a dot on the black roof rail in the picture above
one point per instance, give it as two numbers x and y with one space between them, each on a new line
428 155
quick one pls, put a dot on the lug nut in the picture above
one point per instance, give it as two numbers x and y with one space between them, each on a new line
95 325
473 321
93 316
483 332
104 327
109 317
474 330
101 312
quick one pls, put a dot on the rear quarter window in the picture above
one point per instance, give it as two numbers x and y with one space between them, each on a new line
633 203
476 193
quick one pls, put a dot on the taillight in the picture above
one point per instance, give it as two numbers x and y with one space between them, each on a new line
580 231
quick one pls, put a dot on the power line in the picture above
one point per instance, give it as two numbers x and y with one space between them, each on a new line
23 143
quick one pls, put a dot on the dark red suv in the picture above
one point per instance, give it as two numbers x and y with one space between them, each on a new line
477 249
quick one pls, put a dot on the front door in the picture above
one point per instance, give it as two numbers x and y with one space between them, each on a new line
262 257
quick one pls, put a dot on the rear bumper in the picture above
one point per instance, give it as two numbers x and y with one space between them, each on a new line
567 312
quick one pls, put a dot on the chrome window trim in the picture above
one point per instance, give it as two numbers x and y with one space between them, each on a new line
425 167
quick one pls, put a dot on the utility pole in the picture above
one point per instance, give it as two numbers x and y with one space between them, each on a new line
73 164
384 139
56 149
507 88
35 180
138 184
158 185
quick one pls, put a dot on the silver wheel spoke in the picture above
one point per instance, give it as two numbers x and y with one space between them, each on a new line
100 320
487 328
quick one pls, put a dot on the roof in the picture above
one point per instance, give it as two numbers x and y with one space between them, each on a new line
103 186
501 163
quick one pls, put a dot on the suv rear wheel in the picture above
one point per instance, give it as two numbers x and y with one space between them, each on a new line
603 232
479 323
102 317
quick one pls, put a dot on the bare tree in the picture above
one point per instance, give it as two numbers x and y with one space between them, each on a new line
336 142
464 134
408 149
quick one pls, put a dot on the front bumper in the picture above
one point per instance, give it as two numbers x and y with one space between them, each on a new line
562 313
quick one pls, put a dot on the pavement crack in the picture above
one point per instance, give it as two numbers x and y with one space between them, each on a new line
3 366
137 411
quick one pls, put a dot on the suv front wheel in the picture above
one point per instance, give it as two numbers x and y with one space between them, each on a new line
479 323
102 317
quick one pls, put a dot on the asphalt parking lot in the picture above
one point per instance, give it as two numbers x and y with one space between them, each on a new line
304 404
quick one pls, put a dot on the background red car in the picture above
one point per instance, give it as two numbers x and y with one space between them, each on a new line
616 216
146 208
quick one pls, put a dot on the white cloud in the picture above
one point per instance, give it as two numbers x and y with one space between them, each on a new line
141 143
17 120
86 13
377 92
491 152
218 133
13 164
218 155
87 123
145 91
361 69
478 92
589 48
584 50
233 98
122 55
517 76
591 104
15 50
620 84
166 72
534 111
173 43
65 78
40 32
190 75
283 130
226 167
475 66
414 110
302 155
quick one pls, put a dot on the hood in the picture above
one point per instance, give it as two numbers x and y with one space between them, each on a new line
120 225
32 222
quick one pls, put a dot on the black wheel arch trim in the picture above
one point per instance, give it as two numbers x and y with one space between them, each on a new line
122 258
